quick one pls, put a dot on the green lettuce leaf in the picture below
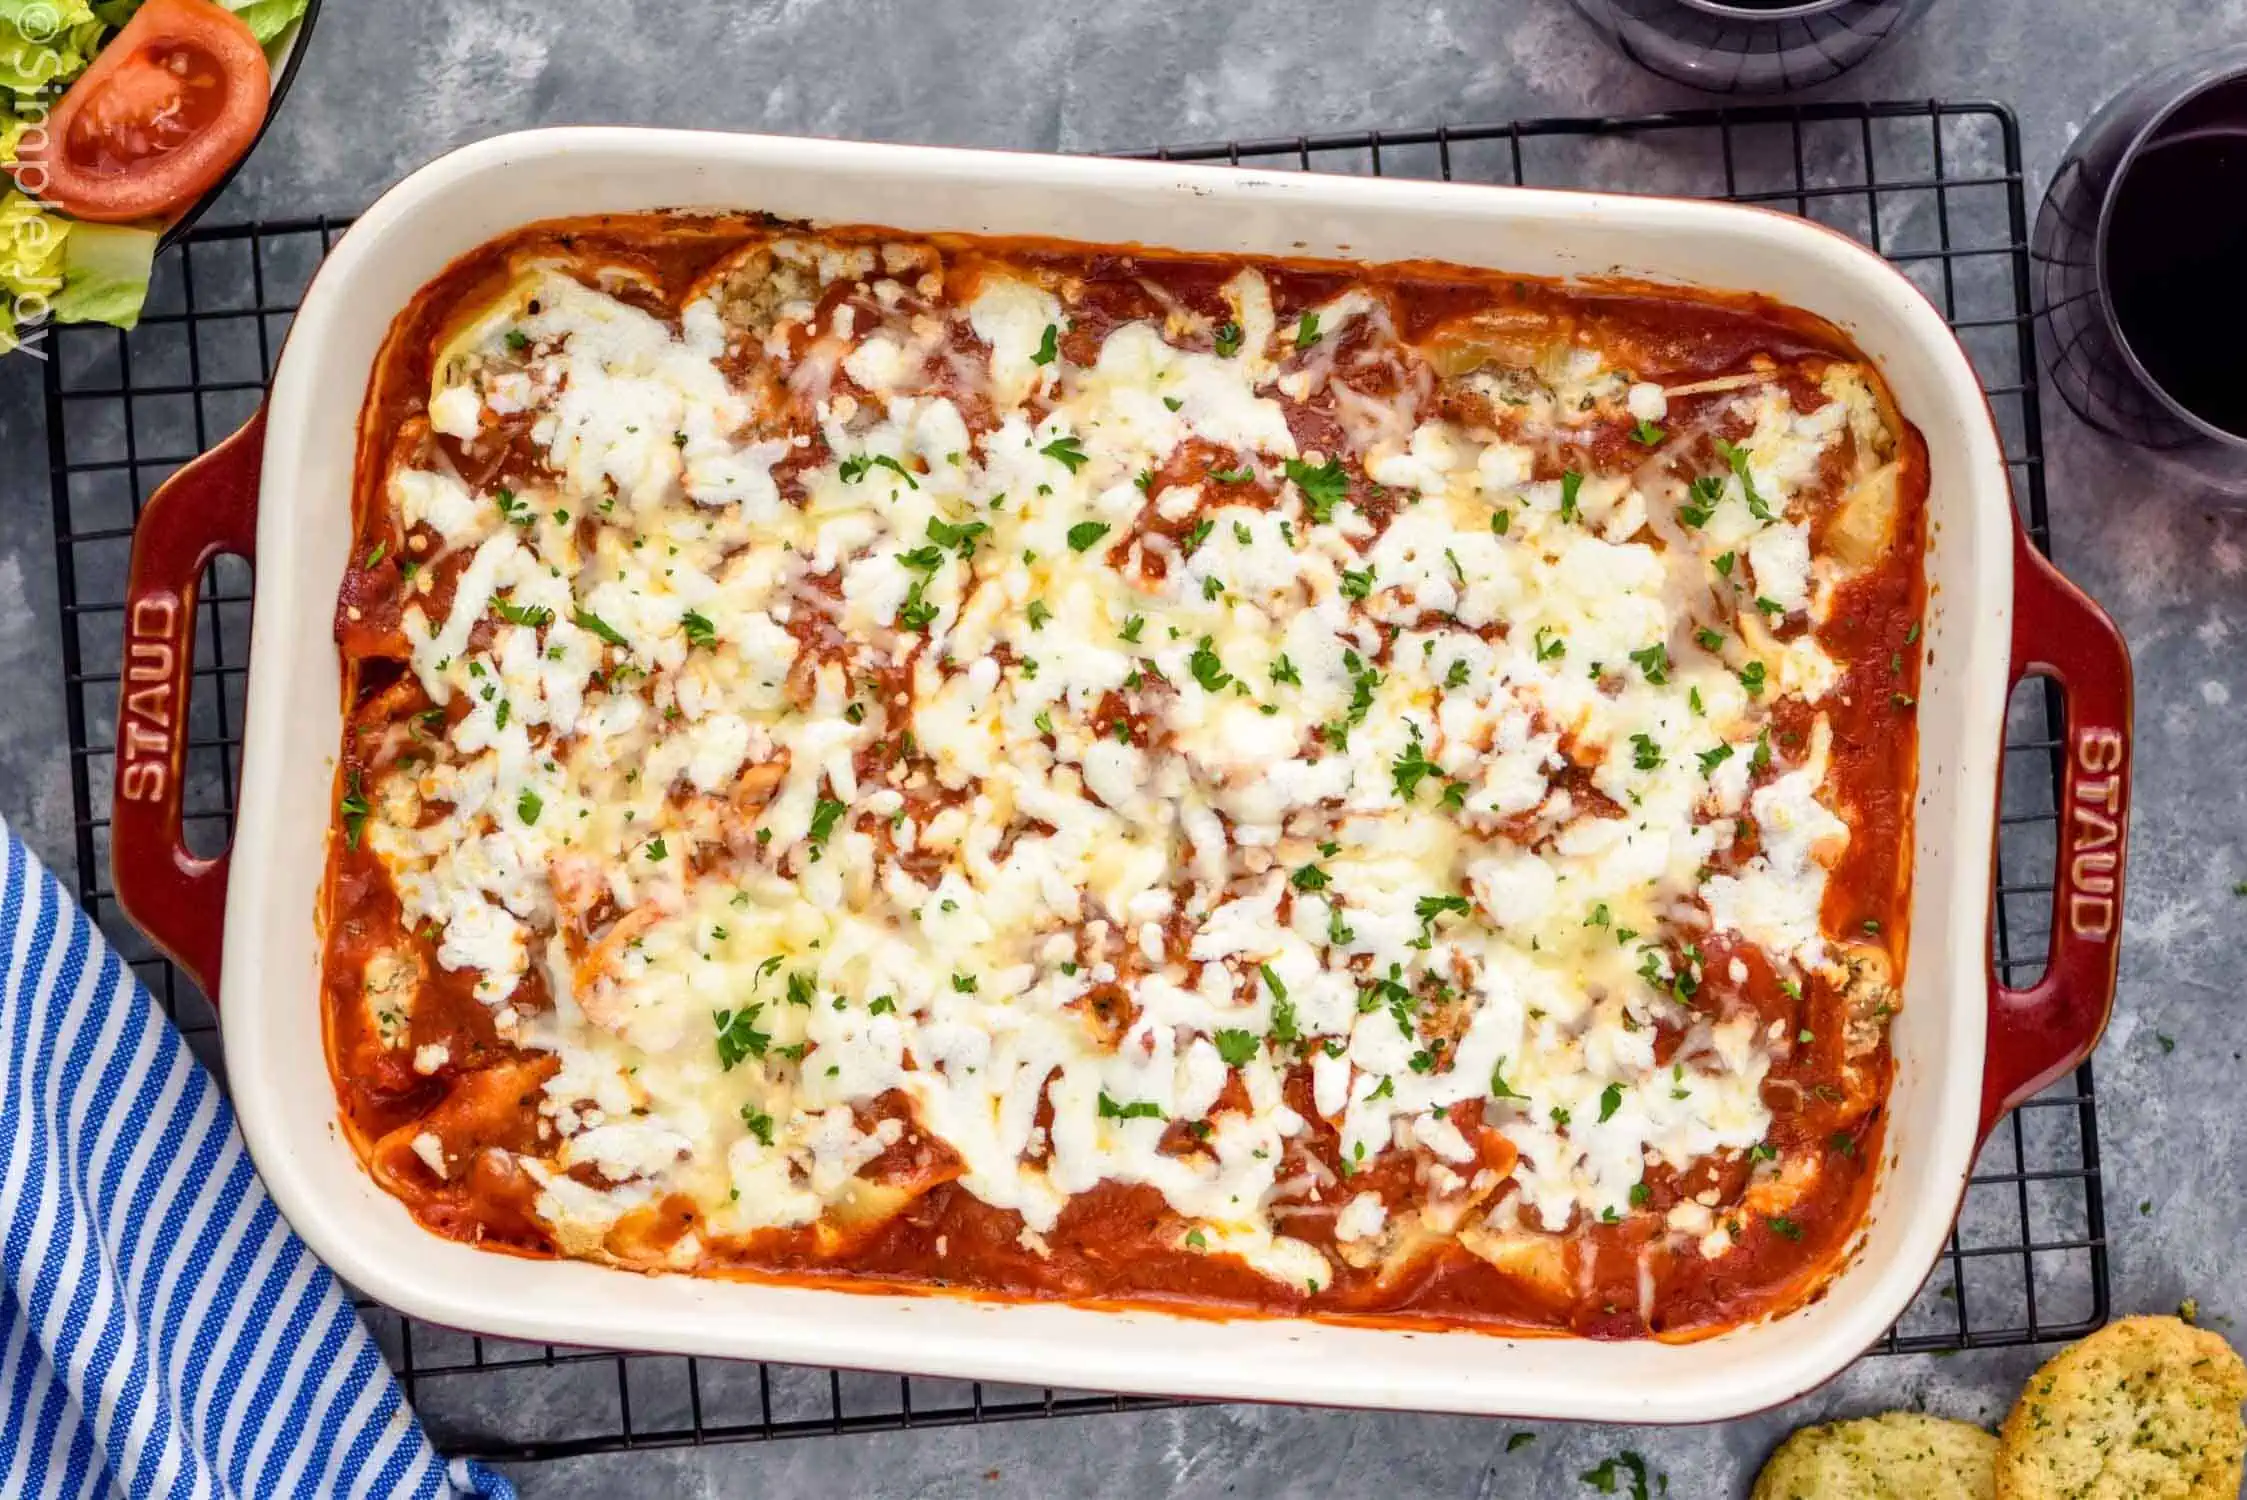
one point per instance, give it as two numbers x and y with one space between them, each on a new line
105 274
12 127
32 242
45 43
267 19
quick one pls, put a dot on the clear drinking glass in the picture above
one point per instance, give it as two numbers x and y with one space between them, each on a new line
2140 240
1749 46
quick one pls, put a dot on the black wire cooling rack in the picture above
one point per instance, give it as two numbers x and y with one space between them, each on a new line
1936 187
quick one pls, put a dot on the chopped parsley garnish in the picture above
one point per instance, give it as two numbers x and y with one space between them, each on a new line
1085 533
1654 661
1283 670
1711 759
1284 1028
1501 520
528 806
1237 1047
517 341
1723 564
1610 1100
917 613
1227 337
1762 756
1645 754
1241 475
1357 582
1457 676
1646 434
656 849
1570 483
960 536
1306 330
883 460
585 619
1199 535
1324 486
1607 1476
759 1123
1498 1086
1044 722
1207 669
700 632
1038 614
1132 627
964 984
354 808
530 615
1738 459
1770 606
1067 452
1411 767
1711 640
1641 1195
1702 496
1049 346
824 816
1310 878
738 1036
1751 678
1242 534
1550 647
882 1005
376 554
1428 908
1137 1109
1783 1226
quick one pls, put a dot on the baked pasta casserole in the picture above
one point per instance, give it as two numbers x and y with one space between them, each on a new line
1053 770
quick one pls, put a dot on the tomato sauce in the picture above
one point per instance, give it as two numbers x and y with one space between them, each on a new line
1118 1244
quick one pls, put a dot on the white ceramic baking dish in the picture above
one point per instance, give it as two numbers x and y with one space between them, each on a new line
1967 1050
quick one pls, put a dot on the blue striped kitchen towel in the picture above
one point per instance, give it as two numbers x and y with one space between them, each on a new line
162 1332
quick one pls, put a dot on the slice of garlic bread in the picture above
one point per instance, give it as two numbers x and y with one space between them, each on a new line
2144 1409
1898 1455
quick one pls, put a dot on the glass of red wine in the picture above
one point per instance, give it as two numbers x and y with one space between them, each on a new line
1749 46
2139 244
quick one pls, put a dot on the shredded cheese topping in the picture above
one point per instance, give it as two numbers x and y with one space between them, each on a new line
946 753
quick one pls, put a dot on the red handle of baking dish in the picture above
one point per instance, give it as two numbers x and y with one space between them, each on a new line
174 895
2038 1033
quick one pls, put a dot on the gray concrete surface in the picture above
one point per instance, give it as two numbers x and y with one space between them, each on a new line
392 82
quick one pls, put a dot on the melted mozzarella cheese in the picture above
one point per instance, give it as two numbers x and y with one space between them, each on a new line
1179 809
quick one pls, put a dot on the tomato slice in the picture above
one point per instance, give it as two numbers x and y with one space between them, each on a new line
168 106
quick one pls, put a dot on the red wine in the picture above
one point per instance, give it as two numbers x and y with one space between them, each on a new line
2176 240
